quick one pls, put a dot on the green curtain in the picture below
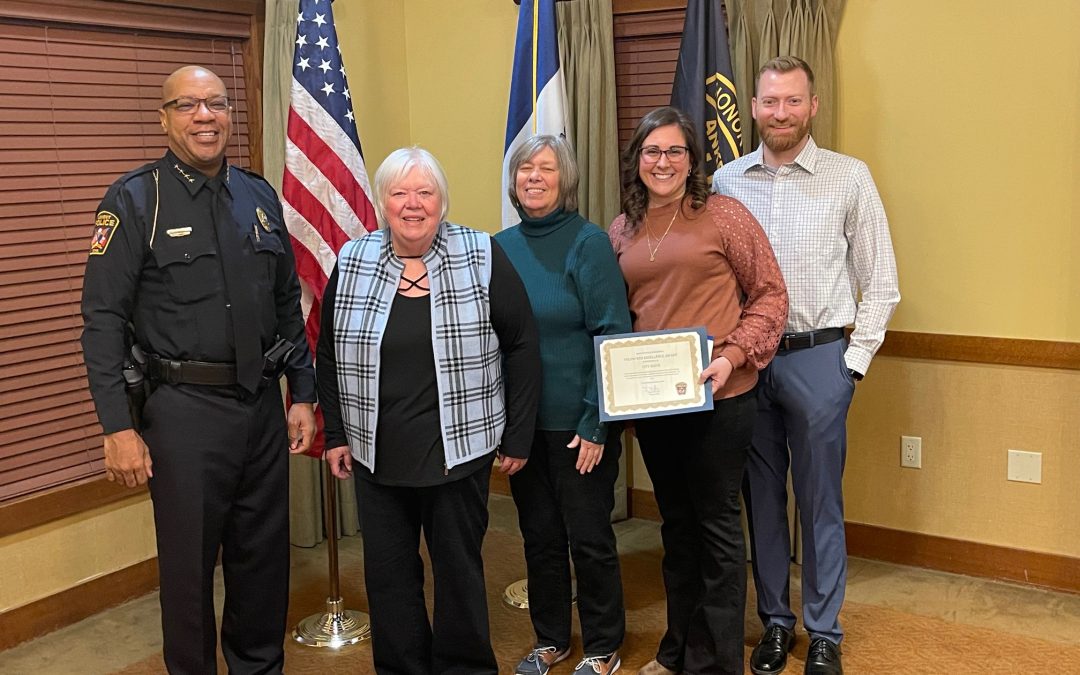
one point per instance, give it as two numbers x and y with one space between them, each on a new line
819 55
763 29
277 74
770 41
306 476
587 56
742 51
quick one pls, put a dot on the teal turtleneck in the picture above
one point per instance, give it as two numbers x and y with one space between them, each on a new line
576 291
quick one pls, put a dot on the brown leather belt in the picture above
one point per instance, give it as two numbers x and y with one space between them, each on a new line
171 371
792 341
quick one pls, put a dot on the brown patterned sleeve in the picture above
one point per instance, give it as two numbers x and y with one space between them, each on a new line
751 258
615 232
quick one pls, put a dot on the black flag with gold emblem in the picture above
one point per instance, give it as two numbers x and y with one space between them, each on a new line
704 87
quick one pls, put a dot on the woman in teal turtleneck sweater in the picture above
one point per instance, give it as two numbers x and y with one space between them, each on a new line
565 493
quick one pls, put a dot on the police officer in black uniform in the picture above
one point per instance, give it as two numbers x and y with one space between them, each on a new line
194 253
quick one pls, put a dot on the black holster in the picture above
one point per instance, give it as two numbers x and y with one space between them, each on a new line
275 359
136 384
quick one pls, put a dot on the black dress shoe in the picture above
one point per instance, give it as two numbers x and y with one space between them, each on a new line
823 658
770 655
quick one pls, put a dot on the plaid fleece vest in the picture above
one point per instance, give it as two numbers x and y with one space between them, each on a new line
468 363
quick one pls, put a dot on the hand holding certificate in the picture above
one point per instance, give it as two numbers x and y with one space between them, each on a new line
653 373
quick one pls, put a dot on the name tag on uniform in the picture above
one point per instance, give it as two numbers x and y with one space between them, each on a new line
178 232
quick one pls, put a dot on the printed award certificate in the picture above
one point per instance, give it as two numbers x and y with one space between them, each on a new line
653 373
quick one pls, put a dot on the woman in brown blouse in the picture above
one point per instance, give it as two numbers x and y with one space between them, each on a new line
690 259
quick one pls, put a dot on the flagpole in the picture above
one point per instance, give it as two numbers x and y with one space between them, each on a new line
322 136
337 627
535 70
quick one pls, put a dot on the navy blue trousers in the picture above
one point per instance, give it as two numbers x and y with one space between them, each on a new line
803 400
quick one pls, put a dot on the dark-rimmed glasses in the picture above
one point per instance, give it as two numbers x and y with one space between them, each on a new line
187 105
651 153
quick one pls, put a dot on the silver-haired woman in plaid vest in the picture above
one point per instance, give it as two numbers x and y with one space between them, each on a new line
428 367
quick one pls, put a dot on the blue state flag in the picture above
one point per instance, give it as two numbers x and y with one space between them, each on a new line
537 91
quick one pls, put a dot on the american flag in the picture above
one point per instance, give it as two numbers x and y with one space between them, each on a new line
325 191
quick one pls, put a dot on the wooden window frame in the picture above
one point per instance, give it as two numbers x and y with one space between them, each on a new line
638 6
248 24
643 30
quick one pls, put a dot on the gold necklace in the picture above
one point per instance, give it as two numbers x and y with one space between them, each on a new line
648 235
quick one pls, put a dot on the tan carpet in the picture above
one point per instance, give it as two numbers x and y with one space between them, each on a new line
879 641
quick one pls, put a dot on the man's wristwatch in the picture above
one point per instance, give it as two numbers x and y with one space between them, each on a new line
855 375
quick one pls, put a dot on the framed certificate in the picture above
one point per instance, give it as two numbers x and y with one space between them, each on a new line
652 373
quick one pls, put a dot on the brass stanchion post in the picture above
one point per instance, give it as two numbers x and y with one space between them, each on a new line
517 594
336 627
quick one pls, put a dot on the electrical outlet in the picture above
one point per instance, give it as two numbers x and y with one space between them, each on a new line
911 452
1025 467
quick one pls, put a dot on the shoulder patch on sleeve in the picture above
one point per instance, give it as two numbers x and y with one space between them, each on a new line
104 227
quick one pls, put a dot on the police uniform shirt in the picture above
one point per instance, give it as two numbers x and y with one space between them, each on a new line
154 260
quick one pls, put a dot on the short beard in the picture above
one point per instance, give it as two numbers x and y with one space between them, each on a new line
783 143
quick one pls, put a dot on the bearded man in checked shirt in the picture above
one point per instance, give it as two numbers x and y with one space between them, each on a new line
825 221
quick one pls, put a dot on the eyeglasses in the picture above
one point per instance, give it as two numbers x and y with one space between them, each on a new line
651 153
185 105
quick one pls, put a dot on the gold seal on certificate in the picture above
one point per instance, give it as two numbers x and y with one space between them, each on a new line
652 373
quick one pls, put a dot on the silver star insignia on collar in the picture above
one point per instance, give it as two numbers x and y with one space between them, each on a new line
183 173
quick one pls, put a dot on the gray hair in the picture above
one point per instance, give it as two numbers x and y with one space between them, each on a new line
564 157
397 165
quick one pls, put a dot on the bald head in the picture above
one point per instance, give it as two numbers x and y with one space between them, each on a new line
196 115
186 76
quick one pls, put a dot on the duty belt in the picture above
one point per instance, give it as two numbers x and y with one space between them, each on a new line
792 341
171 371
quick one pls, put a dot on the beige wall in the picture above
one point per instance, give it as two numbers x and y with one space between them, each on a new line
968 416
435 74
967 113
374 43
60 555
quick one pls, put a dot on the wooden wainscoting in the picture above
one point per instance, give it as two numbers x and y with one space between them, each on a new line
976 349
1047 570
75 604
922 550
963 557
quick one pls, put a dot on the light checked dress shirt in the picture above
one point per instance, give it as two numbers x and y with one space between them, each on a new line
825 221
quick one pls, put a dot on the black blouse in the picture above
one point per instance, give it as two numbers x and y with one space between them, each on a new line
408 439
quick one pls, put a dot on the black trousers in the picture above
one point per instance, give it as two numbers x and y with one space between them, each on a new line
454 518
696 463
220 482
560 508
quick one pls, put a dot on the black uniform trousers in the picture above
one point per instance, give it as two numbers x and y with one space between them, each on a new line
453 517
558 507
696 463
220 463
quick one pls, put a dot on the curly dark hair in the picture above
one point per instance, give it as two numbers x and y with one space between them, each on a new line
635 196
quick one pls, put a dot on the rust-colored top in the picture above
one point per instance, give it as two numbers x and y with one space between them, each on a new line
713 267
